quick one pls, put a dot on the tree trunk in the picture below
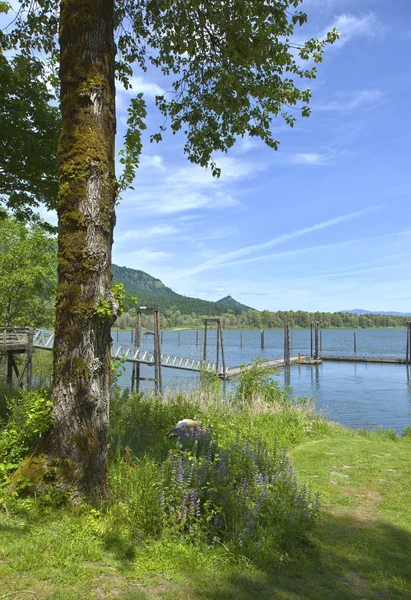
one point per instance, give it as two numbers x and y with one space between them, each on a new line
86 307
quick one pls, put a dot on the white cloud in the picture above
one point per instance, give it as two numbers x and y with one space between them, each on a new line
350 100
309 158
144 256
137 235
188 187
231 257
155 161
140 85
351 26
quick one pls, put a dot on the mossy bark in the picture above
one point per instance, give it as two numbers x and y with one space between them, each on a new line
86 201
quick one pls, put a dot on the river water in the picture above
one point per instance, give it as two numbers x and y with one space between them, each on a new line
359 395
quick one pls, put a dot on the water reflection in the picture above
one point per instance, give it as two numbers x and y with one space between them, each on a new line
314 377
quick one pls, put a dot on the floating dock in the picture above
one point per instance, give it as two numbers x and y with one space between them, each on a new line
365 359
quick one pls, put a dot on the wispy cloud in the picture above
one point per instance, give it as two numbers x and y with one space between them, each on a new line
306 249
189 187
351 26
145 257
345 101
309 158
141 234
232 257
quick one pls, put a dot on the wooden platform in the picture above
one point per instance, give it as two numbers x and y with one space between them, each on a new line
365 359
14 339
17 340
312 361
274 363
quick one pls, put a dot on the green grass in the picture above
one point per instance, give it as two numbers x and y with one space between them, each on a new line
359 549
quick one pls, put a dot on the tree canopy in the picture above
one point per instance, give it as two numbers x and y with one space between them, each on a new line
27 274
30 128
232 66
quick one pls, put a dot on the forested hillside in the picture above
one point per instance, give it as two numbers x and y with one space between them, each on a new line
152 292
183 311
231 303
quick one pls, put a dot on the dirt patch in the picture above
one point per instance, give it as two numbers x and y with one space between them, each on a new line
355 582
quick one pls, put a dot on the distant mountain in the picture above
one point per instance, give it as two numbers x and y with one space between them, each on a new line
152 292
361 311
229 301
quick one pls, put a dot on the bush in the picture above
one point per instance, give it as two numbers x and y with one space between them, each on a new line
29 417
256 381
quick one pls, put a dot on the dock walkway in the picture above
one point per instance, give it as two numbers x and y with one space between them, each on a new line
44 339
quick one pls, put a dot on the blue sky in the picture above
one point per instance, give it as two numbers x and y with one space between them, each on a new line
321 224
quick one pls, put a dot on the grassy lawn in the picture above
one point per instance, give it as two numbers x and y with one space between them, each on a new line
359 549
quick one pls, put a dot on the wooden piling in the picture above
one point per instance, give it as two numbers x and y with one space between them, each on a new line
217 349
262 339
219 341
222 348
135 377
287 353
197 338
316 353
408 344
158 378
10 368
311 339
355 343
205 341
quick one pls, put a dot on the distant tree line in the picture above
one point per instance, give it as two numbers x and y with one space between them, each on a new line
252 319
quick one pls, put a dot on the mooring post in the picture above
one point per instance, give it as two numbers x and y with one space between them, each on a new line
316 354
222 349
135 377
355 343
262 339
205 341
287 361
409 341
311 339
158 376
241 339
408 345
217 345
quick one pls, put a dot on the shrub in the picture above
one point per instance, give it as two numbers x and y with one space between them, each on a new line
29 417
256 381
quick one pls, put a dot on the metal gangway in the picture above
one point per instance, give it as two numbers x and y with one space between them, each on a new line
44 339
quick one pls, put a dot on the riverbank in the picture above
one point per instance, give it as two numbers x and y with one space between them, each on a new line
359 547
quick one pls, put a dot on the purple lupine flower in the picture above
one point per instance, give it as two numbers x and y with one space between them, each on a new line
193 497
